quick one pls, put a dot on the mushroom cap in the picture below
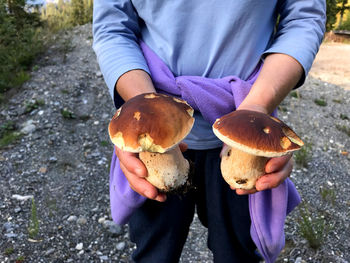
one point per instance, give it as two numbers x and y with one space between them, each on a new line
256 133
151 122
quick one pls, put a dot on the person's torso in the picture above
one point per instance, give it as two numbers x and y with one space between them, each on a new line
212 38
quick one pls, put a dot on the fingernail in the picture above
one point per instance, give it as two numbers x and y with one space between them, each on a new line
138 171
147 194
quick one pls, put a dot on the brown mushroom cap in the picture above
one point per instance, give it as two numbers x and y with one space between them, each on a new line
151 122
256 133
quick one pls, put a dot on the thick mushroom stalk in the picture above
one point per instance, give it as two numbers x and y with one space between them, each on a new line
240 169
253 138
166 171
153 125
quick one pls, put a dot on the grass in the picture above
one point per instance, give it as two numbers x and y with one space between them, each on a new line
20 259
9 251
33 228
9 138
8 134
320 102
337 101
33 105
295 94
312 226
68 114
343 129
343 116
328 194
303 156
104 143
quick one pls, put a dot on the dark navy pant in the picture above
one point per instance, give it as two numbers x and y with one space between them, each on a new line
160 229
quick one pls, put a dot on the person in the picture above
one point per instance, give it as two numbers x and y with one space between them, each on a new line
268 45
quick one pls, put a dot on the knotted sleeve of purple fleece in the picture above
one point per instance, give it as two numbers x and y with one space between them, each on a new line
123 200
213 98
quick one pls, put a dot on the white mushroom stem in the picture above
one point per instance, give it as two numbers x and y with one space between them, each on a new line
240 169
166 171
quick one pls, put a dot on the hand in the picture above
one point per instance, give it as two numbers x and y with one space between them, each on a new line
276 171
136 173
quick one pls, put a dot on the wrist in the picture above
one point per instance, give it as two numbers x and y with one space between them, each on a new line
253 107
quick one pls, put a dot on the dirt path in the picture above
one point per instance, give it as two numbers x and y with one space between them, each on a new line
332 64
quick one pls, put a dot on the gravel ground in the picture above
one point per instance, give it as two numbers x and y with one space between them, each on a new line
62 160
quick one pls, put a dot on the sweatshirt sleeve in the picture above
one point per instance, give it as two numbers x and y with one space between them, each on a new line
115 40
300 31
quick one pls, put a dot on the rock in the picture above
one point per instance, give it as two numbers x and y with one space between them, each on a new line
101 220
120 246
28 127
81 221
49 251
79 246
8 226
72 219
11 235
112 227
104 257
22 197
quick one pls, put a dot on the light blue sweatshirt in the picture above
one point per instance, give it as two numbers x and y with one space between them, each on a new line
209 38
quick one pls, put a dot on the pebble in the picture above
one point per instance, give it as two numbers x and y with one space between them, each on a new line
11 235
72 219
101 220
81 221
22 197
112 227
79 246
120 246
104 257
28 127
49 251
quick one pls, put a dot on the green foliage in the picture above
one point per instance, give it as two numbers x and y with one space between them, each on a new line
66 14
9 251
335 7
33 105
8 134
295 94
328 194
320 102
332 11
104 143
67 114
20 42
343 116
343 129
312 226
33 228
346 24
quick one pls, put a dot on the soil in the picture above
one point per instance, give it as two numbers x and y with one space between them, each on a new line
61 162
332 64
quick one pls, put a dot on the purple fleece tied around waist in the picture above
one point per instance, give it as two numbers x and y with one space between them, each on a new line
213 98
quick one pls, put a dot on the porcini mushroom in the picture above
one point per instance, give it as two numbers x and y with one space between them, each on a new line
153 125
252 138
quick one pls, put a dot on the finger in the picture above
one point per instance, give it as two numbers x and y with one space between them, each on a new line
131 162
245 192
276 164
183 146
142 186
274 179
223 150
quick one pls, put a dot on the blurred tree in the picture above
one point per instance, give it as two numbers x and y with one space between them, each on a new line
332 10
19 42
78 12
343 7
